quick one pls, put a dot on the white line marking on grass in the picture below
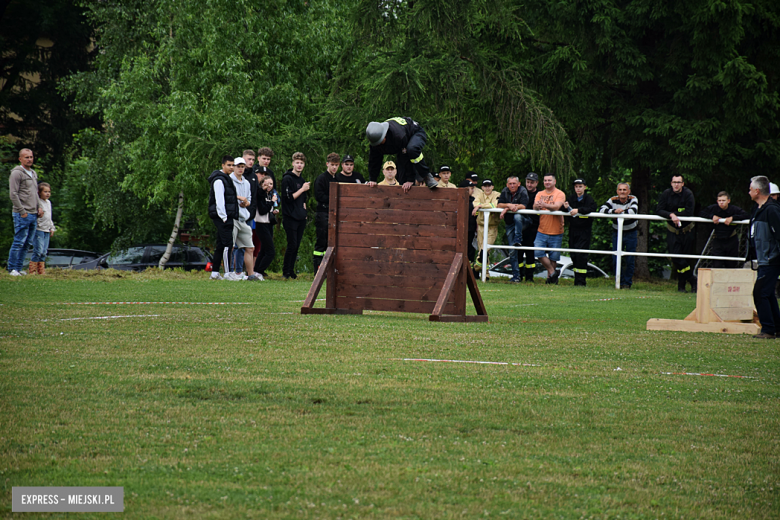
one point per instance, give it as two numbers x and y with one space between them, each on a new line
151 303
703 374
111 317
301 301
473 362
613 299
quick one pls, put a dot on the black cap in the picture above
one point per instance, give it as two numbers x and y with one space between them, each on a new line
580 180
445 169
465 183
532 177
436 175
348 158
473 176
487 182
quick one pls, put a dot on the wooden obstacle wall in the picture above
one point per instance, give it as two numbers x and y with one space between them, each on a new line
395 251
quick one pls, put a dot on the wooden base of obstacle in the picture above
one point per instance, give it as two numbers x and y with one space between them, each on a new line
724 303
395 251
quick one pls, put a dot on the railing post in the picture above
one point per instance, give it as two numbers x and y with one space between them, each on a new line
619 255
484 245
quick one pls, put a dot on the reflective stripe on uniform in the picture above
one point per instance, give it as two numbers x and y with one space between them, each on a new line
400 120
419 158
530 266
581 271
684 270
319 253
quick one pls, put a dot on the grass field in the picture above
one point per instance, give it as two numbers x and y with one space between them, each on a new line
254 411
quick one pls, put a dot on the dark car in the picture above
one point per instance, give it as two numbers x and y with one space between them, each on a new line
138 258
66 258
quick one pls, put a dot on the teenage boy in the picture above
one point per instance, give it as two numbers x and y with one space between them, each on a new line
249 174
550 232
530 229
725 241
348 173
514 198
294 195
580 204
388 170
472 229
263 170
223 210
444 175
322 195
487 198
242 232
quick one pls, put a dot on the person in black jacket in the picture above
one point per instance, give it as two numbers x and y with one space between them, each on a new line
580 204
404 138
223 210
322 195
267 205
530 229
725 240
294 195
472 229
676 202
348 173
513 198
764 239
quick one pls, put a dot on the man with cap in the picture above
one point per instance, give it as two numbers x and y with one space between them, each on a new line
774 191
322 195
388 170
580 204
473 178
444 174
676 202
514 198
487 199
626 203
348 173
404 138
242 232
530 229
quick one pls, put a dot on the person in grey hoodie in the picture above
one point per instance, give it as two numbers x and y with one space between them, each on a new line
23 191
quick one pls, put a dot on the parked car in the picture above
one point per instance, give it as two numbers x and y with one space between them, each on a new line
138 258
564 267
65 258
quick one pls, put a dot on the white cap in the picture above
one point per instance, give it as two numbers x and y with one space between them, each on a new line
773 189
239 160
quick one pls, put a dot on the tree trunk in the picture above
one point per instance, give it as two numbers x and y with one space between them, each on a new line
174 233
640 187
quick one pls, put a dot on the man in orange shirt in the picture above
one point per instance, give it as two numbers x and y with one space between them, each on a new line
550 233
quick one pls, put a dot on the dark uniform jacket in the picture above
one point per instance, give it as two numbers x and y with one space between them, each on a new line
587 205
293 208
231 200
733 211
681 204
396 139
534 218
322 191
765 233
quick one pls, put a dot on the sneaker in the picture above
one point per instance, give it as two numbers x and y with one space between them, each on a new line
764 335
22 273
515 280
553 280
233 277
15 273
215 276
243 277
431 182
255 277
623 287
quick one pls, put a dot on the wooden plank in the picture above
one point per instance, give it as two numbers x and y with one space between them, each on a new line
331 273
427 294
458 319
394 255
476 297
736 302
732 288
416 193
398 242
391 305
731 314
389 216
319 278
384 280
731 275
421 230
692 326
413 271
318 310
704 284
397 203
449 283
459 290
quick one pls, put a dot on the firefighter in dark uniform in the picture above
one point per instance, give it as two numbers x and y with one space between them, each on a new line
529 231
580 204
322 195
404 138
676 202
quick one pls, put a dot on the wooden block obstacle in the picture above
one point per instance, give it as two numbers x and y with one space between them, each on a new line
395 251
724 303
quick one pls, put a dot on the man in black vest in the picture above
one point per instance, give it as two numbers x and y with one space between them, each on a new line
223 210
404 138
